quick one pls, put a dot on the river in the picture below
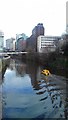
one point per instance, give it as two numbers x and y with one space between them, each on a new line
27 93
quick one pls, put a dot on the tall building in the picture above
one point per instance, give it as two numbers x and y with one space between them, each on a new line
67 17
21 42
1 41
32 40
10 44
38 30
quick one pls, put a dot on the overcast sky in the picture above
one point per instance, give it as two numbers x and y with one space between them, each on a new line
20 16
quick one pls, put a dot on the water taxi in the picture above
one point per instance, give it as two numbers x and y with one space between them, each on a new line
46 72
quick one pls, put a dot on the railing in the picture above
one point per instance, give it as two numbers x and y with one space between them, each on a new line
11 53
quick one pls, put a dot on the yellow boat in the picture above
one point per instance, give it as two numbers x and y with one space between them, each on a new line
46 72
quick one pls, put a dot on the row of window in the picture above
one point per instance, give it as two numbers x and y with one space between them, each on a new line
46 44
44 39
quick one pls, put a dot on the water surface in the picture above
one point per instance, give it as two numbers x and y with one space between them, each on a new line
29 94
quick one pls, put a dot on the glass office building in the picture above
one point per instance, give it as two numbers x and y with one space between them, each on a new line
67 17
1 41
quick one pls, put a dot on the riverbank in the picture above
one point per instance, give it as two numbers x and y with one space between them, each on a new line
0 102
55 61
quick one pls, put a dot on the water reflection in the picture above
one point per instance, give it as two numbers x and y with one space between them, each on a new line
29 94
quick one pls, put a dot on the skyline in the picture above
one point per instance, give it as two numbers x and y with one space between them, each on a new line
21 16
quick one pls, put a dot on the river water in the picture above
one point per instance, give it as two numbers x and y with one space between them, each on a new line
29 94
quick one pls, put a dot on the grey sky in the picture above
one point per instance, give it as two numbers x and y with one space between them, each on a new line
20 16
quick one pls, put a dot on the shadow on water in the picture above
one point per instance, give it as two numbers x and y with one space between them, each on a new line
59 66
2 72
46 96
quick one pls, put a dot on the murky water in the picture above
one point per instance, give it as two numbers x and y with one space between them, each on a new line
29 94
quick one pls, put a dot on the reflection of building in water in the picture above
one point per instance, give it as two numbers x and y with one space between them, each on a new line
20 68
32 70
50 88
56 88
12 65
39 73
53 88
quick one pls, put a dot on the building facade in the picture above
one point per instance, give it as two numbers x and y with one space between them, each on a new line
21 42
38 30
32 40
10 44
1 41
46 44
67 17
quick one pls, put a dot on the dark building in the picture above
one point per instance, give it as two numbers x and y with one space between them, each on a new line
31 44
32 40
38 30
21 44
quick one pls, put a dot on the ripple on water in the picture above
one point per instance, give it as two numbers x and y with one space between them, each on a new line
33 96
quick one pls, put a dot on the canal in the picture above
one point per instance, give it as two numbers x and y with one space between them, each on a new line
27 93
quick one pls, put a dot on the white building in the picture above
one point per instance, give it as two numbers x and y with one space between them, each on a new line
1 41
46 44
10 44
14 45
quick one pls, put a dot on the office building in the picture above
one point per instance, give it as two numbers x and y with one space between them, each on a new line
10 44
38 30
32 40
46 44
67 17
1 41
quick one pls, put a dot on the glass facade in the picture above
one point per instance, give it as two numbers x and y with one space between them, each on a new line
21 42
67 16
1 41
38 30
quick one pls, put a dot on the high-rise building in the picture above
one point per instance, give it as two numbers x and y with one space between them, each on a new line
32 41
1 41
21 42
67 17
38 30
10 44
